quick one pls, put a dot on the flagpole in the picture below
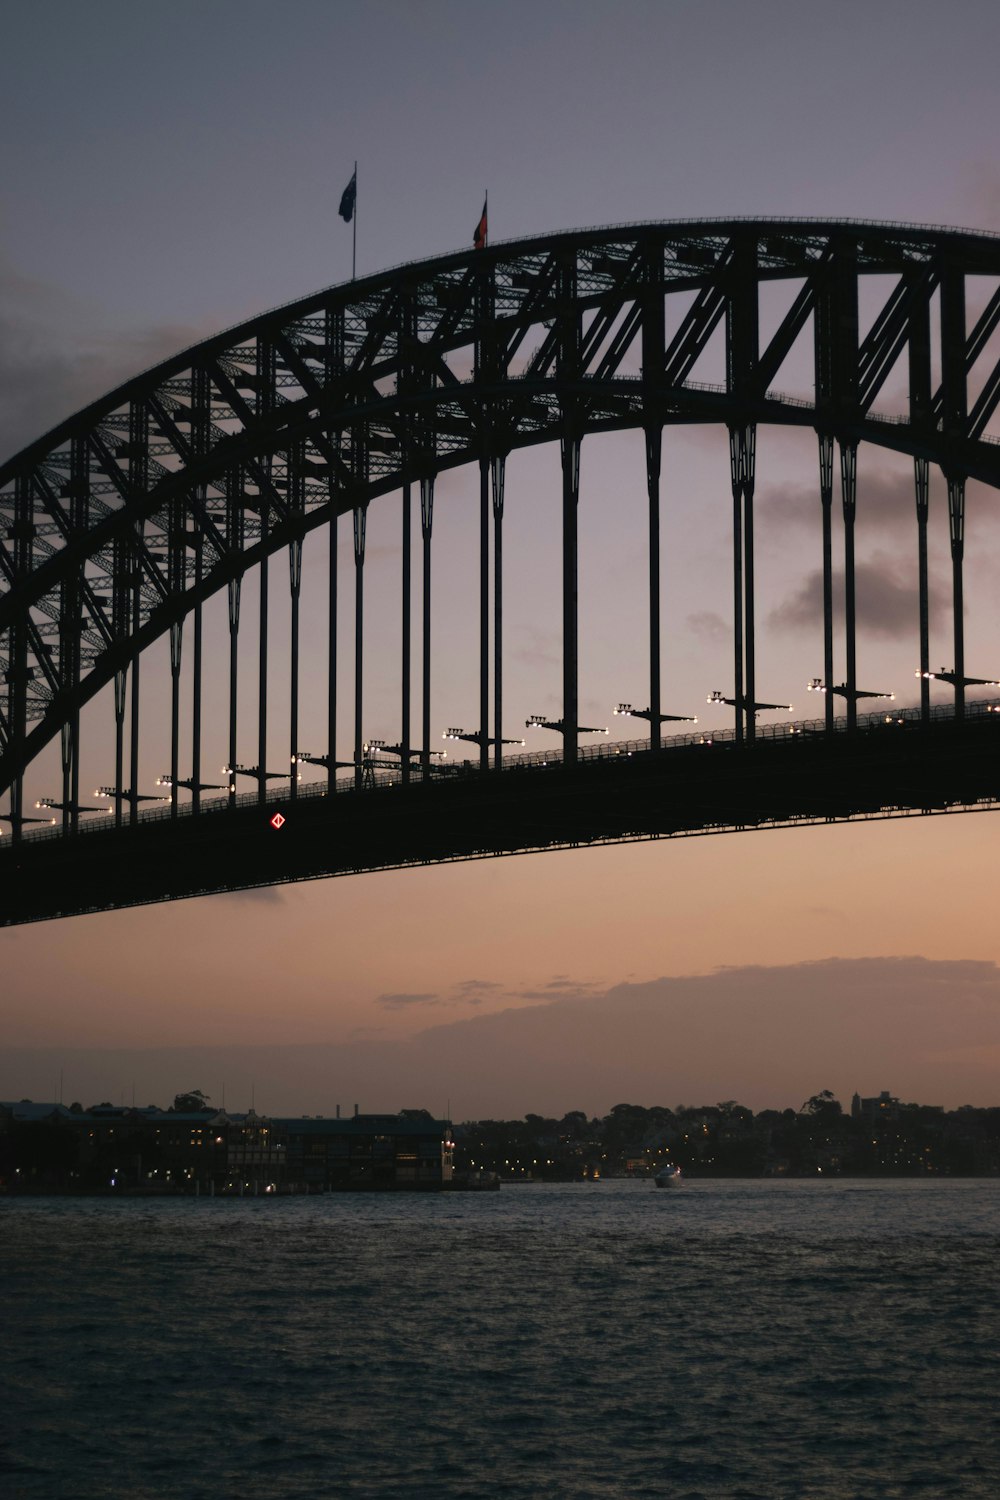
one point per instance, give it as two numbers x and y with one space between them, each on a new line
354 246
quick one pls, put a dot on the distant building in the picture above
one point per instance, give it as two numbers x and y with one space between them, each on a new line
255 1152
883 1107
26 1111
47 1148
407 1150
38 1147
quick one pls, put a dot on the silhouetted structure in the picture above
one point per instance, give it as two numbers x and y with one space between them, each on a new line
116 529
48 1148
729 1140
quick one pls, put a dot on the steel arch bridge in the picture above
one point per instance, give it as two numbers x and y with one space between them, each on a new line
119 525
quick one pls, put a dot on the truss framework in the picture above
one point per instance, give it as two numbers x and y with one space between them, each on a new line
121 522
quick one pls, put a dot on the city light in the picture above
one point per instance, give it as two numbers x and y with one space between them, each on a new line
537 721
954 678
474 737
817 685
627 711
717 697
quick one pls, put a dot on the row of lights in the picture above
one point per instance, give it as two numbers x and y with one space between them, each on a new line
534 721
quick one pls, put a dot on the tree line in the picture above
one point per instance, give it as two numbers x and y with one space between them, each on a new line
883 1137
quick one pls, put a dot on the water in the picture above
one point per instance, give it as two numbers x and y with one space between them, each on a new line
732 1341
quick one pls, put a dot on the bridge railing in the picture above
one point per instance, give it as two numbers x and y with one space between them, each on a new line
606 750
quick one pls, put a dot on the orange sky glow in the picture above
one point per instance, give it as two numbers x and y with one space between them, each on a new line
762 967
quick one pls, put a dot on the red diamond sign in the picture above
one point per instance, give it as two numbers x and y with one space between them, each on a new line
278 821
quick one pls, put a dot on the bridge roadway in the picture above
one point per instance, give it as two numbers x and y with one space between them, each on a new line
893 765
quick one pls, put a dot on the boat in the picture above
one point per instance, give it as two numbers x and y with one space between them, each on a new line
475 1180
668 1176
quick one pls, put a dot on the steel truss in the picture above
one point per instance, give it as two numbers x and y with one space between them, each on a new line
117 527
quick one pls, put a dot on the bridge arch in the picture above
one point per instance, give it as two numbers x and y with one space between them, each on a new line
118 525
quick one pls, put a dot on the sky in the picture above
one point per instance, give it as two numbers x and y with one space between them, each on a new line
169 171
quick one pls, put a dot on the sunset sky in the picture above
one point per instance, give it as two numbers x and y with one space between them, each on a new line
172 170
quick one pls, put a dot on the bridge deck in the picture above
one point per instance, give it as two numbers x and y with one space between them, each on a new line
697 785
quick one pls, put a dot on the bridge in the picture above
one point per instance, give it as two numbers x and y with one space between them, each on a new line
128 524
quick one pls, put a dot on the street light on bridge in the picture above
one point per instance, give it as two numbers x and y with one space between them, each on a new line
954 678
536 721
10 818
189 783
48 804
374 750
412 752
717 697
628 712
254 772
370 755
320 760
817 685
475 737
126 796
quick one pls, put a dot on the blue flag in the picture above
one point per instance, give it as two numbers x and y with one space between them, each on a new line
348 198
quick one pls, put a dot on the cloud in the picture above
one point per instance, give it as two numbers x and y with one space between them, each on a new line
52 363
709 627
764 1034
559 988
475 991
538 648
466 992
886 502
401 999
886 600
769 1036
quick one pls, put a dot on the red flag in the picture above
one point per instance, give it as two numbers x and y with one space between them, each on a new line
479 239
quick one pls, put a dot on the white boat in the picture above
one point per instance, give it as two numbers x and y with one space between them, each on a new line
668 1176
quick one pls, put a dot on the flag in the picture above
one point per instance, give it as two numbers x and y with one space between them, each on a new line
348 198
479 238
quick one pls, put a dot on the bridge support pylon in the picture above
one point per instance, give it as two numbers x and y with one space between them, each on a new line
826 500
849 500
922 490
571 665
742 466
956 527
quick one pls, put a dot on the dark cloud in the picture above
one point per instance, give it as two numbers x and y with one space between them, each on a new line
768 1036
467 992
559 988
886 502
475 991
927 1029
709 627
401 999
886 600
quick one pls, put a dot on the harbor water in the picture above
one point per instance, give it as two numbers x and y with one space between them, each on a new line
812 1340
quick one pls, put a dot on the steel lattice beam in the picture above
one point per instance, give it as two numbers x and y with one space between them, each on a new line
127 517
